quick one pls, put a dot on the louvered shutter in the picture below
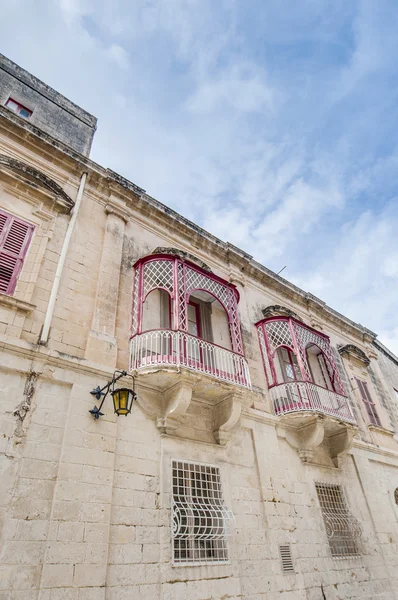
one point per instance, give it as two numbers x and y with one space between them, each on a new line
368 402
15 236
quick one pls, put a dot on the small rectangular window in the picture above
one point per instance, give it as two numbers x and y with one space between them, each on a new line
368 402
15 236
18 108
200 517
342 528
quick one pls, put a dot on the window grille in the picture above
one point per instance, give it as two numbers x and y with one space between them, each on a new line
342 529
368 402
200 519
286 558
15 236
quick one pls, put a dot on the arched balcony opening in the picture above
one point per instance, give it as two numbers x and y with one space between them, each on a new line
300 369
186 316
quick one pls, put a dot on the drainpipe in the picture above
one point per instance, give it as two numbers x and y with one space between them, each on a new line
54 290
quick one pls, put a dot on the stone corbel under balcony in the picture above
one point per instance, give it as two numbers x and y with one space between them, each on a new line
307 436
227 416
166 405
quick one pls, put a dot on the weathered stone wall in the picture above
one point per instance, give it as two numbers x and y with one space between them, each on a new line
51 112
85 504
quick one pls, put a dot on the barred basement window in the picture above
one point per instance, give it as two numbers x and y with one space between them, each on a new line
342 529
200 519
286 558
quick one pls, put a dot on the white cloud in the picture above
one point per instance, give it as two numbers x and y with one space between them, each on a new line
274 129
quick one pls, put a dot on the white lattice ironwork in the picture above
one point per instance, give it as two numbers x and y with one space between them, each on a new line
302 396
342 528
200 519
166 347
196 280
278 334
134 324
169 272
158 274
182 298
306 337
264 354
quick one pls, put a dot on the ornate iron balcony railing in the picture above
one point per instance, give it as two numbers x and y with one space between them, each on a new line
162 347
303 396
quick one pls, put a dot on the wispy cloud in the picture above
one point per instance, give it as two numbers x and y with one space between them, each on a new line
271 124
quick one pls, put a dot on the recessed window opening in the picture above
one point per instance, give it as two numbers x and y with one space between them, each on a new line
396 495
342 529
319 367
200 516
368 402
289 366
208 319
18 108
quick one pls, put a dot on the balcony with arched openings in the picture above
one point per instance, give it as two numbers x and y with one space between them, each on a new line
184 316
301 371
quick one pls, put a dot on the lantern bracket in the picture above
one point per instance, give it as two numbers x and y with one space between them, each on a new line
101 393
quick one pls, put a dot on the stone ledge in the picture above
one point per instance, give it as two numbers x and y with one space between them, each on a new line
380 429
12 302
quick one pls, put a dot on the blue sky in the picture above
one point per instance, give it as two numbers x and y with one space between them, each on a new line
271 123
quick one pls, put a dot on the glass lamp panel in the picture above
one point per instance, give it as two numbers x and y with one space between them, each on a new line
121 401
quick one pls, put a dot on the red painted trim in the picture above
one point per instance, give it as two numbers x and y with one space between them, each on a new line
172 257
197 315
187 333
287 319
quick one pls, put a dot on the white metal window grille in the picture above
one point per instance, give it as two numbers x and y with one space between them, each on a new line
278 334
342 529
305 337
134 324
158 274
181 280
200 518
286 558
264 353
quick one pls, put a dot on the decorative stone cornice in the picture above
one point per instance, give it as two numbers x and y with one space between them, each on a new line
12 302
7 162
120 211
355 352
183 255
279 311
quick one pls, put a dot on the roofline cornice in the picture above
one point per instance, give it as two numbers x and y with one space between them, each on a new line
145 205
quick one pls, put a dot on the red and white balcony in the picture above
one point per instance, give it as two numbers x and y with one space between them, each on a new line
186 317
301 370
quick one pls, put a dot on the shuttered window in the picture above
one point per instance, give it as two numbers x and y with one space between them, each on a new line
15 236
368 402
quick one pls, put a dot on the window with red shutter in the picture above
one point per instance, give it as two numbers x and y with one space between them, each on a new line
368 402
15 236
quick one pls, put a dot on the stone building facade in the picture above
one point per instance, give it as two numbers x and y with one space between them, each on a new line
260 458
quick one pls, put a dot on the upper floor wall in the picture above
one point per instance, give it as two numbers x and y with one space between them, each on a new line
94 313
31 100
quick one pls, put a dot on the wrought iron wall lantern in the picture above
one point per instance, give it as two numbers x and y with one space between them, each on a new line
123 398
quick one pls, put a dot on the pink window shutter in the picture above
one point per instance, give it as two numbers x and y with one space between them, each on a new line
368 402
15 236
